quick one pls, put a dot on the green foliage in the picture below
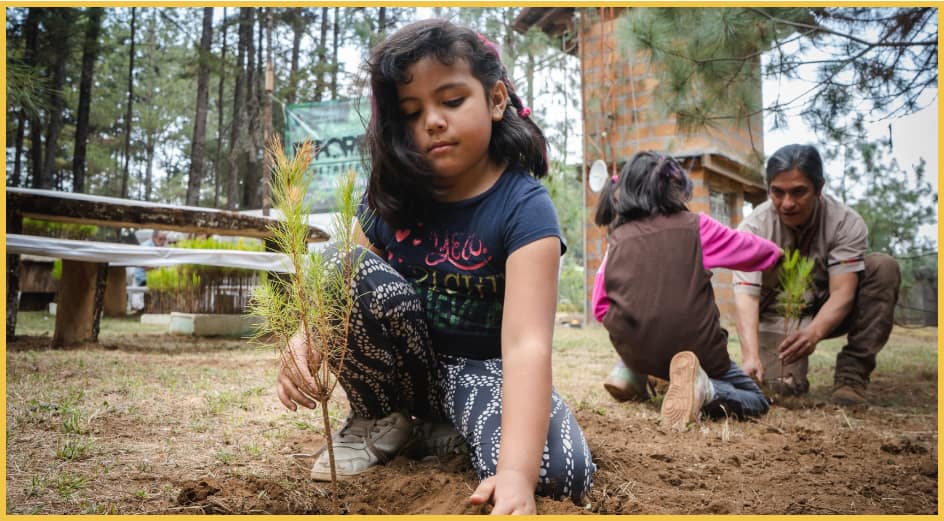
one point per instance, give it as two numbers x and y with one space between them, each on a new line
59 230
796 277
216 244
172 279
893 201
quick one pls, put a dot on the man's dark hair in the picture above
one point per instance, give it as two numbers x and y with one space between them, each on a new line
804 158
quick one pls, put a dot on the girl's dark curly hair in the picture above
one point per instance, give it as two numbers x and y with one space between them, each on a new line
401 179
649 184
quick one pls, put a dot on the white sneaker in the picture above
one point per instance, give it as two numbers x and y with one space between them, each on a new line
362 443
689 390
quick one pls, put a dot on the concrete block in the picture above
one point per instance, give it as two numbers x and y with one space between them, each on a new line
201 324
157 319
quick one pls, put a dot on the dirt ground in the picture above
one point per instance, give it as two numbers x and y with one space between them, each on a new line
148 423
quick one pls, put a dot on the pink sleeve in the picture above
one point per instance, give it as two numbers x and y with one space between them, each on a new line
723 247
598 300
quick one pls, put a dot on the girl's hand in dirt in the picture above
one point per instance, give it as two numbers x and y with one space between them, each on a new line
797 346
295 383
754 368
509 491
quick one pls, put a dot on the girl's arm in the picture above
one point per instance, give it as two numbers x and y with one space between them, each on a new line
723 247
527 332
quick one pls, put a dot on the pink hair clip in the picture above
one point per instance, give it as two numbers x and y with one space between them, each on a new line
524 112
615 178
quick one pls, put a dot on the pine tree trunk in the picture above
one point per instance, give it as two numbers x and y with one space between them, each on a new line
89 55
237 132
251 182
217 165
59 21
203 96
31 57
335 29
298 30
267 116
18 154
125 171
321 68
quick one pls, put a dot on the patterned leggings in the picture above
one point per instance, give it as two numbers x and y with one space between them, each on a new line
391 366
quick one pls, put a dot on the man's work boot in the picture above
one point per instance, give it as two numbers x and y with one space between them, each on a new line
849 394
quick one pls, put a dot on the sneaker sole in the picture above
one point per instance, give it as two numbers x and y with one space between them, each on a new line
326 475
678 406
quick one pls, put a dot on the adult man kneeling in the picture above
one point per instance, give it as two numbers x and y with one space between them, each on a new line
853 293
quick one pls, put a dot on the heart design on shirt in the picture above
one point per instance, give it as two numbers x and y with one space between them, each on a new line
402 234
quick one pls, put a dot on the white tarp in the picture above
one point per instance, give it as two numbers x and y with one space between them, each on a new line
116 254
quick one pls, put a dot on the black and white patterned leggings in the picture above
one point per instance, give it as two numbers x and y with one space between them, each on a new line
391 366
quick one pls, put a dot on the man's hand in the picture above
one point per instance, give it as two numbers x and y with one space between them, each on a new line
295 383
753 368
798 345
509 491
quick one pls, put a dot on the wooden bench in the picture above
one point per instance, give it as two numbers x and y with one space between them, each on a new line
86 275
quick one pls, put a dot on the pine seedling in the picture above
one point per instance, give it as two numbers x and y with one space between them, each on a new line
796 277
317 298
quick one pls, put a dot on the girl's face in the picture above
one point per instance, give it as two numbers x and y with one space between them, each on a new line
450 117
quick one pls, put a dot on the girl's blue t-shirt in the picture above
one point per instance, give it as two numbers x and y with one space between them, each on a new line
456 260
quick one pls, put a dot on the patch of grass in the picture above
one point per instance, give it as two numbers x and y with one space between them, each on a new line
68 484
224 457
37 485
73 450
42 323
72 421
252 449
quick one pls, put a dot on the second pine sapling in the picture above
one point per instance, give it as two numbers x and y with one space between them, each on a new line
796 277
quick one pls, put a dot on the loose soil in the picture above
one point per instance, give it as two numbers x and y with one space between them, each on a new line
164 425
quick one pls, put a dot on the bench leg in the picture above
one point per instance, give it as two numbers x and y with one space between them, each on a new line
13 290
76 320
116 292
14 225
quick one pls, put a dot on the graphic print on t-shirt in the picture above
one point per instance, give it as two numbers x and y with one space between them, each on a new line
453 277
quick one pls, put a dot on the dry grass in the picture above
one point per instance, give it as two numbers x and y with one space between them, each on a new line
126 427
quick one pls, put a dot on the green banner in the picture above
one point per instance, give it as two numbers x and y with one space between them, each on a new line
337 130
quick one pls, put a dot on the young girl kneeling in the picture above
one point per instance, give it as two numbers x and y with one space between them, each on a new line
459 287
653 293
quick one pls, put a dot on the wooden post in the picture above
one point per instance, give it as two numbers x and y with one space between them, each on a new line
75 316
116 292
14 225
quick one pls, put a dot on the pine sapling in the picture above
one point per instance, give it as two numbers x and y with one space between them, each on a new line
796 277
317 298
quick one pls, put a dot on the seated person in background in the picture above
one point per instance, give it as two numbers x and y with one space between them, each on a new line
653 293
158 238
853 293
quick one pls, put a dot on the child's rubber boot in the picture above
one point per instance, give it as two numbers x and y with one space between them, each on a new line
624 384
689 390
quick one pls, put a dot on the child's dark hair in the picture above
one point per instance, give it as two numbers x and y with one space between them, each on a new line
400 186
649 184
